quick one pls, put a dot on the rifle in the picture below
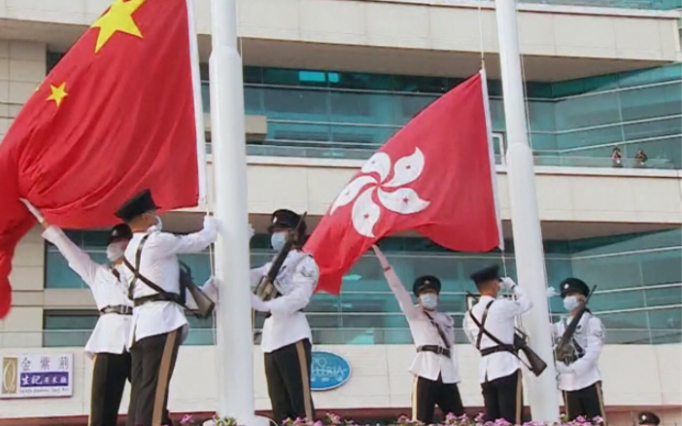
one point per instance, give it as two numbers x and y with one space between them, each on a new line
565 350
535 364
267 288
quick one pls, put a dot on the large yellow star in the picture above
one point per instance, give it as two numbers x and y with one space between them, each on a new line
57 93
117 18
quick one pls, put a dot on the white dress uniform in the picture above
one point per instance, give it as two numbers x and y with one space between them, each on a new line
112 330
159 324
499 369
581 381
108 341
287 339
435 364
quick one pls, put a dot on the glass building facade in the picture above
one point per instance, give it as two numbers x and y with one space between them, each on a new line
572 123
639 294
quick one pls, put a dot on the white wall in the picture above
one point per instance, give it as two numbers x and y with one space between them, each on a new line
634 376
571 194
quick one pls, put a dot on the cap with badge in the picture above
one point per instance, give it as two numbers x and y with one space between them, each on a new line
427 282
648 418
486 274
136 206
284 218
119 232
573 285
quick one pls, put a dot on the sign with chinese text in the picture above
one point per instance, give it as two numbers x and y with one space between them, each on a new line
36 376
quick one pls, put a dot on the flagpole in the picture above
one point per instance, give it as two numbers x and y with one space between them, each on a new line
542 391
234 339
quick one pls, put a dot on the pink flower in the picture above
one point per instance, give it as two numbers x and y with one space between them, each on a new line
186 420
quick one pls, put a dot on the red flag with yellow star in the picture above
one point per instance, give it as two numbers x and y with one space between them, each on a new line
116 115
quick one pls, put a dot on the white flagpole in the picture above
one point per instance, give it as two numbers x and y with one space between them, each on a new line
198 106
542 391
234 338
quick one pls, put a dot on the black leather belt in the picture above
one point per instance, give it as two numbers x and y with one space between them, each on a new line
439 350
498 348
269 314
156 298
120 310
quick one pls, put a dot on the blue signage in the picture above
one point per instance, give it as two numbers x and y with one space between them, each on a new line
328 371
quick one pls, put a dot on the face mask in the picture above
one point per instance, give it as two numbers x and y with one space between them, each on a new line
429 301
571 302
115 251
277 240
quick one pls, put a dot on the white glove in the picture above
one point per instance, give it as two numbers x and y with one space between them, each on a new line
507 283
210 223
211 284
251 232
34 211
551 292
258 304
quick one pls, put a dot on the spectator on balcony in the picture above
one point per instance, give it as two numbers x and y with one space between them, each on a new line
640 158
616 158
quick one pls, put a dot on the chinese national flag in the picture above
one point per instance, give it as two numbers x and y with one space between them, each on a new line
435 176
115 116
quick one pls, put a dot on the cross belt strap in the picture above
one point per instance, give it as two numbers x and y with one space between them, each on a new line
162 295
439 350
482 331
120 310
441 333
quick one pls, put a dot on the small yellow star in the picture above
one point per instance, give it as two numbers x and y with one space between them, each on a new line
58 93
117 19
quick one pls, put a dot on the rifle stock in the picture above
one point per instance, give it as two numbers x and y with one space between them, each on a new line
535 364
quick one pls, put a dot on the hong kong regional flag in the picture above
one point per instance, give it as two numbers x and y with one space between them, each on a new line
435 176
116 115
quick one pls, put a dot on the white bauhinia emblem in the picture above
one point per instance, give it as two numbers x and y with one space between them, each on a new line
392 195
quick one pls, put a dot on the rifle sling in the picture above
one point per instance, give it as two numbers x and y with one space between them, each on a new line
171 297
482 331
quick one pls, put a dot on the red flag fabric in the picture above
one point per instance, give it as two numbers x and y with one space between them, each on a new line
434 176
115 116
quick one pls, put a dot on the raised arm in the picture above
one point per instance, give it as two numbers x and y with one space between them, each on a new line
404 298
521 305
78 260
191 243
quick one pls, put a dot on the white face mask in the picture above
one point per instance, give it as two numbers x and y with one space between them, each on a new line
571 302
277 240
115 251
429 301
159 223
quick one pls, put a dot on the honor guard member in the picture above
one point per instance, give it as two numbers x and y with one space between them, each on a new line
287 340
500 369
647 418
580 380
434 367
159 324
107 346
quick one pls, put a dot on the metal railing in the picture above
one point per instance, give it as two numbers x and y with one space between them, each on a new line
322 336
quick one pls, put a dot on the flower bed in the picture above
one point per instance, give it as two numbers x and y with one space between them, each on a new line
451 420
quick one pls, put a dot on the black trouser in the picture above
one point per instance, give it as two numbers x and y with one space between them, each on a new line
109 375
153 361
587 402
503 398
287 371
428 393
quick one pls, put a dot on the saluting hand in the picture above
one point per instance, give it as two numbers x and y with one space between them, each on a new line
381 257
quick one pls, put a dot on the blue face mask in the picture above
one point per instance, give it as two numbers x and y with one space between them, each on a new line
429 301
277 240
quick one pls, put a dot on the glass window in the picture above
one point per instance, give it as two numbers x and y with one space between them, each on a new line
355 107
296 104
